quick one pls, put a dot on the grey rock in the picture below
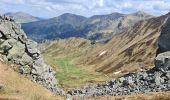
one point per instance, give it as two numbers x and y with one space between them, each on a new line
4 47
25 69
152 80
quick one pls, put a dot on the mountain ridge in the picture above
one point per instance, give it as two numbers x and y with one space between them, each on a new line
98 27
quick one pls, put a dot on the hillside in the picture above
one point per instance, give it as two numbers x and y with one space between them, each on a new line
99 27
23 17
129 51
14 86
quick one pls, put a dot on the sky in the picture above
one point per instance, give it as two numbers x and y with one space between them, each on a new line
53 8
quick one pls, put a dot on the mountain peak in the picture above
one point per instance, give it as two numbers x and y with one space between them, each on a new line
70 15
141 13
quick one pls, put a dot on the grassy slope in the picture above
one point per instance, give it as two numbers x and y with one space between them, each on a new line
15 86
129 51
63 54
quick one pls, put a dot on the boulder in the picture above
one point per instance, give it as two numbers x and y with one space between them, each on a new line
4 47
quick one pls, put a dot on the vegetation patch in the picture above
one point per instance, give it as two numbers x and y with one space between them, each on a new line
71 75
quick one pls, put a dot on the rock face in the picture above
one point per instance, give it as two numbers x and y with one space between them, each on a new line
16 48
164 38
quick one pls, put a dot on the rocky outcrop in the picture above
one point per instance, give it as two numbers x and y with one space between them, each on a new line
164 38
17 48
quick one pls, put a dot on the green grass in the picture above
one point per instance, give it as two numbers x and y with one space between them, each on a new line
70 75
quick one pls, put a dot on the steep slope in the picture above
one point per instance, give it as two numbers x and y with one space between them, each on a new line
23 17
129 51
13 86
99 27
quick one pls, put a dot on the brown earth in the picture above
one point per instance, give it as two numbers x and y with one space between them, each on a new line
14 86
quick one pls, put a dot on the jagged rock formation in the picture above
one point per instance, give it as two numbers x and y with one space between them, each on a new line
17 48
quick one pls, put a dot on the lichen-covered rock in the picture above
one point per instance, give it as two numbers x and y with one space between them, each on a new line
16 48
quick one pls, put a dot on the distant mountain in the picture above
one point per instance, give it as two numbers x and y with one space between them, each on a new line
64 26
23 17
99 27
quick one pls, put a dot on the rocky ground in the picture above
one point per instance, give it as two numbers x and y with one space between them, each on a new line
153 80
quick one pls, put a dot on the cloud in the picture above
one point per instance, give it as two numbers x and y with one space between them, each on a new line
13 1
51 8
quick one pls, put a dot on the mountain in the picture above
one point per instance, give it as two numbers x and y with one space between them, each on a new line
23 17
103 27
63 26
98 28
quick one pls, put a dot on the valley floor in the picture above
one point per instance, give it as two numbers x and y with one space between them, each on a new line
70 75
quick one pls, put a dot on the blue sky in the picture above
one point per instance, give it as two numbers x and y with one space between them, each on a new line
52 8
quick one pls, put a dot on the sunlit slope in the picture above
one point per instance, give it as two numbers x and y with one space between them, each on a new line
14 86
129 51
